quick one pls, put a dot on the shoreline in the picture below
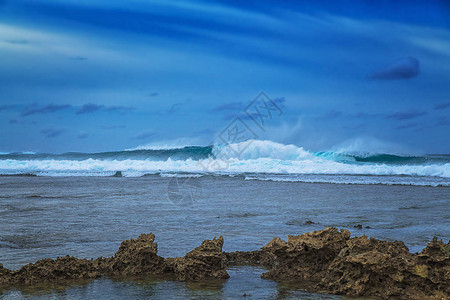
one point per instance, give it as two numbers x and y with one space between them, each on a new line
326 261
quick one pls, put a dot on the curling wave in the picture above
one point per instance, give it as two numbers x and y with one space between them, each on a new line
250 157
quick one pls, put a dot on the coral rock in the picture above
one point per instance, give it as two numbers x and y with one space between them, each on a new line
204 262
135 257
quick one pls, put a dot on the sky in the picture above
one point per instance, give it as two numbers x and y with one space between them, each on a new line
97 75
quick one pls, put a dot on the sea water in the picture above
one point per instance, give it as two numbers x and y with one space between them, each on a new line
89 217
71 204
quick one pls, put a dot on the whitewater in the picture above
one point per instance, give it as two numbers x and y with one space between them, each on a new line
253 159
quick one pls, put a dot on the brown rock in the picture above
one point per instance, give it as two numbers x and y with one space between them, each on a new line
388 270
327 261
49 270
330 261
305 256
5 275
135 257
243 258
204 262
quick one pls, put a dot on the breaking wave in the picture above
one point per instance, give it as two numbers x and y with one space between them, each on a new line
249 157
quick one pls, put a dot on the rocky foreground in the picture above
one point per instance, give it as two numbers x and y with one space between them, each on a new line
326 261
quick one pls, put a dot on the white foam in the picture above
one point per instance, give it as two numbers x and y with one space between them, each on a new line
230 166
250 157
254 149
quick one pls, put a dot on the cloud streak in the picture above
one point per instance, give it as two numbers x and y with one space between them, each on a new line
35 108
7 107
442 105
407 115
405 68
145 134
52 132
91 107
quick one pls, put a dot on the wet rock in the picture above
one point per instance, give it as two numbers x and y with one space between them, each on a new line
134 257
367 266
5 275
306 256
50 270
325 261
204 262
330 261
243 258
359 226
433 264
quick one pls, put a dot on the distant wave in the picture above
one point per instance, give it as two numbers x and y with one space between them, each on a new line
250 157
190 152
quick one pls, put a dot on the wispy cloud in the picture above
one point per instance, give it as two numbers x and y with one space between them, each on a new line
331 114
145 134
82 135
118 108
35 108
443 121
7 107
229 107
91 107
406 115
405 126
443 105
110 127
177 106
51 132
405 68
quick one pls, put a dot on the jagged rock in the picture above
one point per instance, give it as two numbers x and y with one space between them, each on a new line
135 257
433 263
243 257
388 270
204 262
368 267
328 261
46 270
306 256
5 275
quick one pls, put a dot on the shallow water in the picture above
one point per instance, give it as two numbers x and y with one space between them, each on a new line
89 217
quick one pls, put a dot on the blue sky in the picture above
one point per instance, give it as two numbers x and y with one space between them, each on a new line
107 75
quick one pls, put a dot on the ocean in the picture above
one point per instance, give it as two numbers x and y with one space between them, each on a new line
253 159
72 204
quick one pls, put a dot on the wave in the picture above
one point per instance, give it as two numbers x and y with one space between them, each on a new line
383 158
250 157
189 152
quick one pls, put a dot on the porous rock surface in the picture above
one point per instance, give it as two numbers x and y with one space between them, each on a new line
50 270
332 262
204 262
135 257
327 261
